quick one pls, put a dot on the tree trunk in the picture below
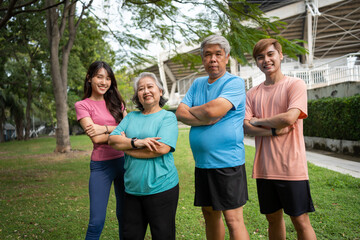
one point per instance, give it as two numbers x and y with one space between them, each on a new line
59 84
28 108
2 122
19 129
59 72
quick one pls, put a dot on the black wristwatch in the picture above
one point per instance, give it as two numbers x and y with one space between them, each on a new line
133 142
273 132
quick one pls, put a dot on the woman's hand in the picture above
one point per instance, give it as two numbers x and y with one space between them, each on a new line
94 130
150 143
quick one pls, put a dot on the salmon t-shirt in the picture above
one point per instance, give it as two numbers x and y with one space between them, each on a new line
280 157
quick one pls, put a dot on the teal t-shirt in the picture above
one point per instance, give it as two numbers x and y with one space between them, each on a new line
145 176
219 145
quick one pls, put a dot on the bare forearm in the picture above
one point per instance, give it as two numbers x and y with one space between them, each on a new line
142 153
119 142
111 128
212 111
281 120
147 153
186 117
103 137
256 131
273 122
202 115
265 132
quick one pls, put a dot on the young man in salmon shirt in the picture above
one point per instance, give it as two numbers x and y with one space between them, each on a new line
275 110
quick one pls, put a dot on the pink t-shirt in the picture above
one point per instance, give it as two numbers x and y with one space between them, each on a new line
281 157
98 112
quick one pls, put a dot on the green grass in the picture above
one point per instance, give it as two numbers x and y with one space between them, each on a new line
44 195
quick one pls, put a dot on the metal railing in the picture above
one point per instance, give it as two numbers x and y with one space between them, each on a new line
339 70
343 69
184 83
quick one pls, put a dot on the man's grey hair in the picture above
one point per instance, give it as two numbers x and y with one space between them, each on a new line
215 39
135 97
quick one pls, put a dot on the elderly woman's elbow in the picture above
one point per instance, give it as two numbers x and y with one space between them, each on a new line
165 149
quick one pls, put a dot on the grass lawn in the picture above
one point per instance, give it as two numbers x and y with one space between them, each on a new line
44 195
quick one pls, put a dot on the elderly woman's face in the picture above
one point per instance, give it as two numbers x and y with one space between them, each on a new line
148 92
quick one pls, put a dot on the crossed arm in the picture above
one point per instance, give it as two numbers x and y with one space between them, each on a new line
206 114
281 122
97 133
146 148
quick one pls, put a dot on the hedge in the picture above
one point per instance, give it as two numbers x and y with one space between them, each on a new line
335 118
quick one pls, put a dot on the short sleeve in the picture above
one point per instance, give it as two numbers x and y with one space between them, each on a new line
122 125
189 96
168 131
248 109
82 110
298 97
234 91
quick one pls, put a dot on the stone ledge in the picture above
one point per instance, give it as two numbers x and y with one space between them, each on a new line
334 145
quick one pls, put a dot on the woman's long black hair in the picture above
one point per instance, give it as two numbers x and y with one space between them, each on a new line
114 102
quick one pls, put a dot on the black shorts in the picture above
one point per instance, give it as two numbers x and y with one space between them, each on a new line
221 188
292 196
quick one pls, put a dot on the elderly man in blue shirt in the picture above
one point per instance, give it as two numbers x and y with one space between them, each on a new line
214 107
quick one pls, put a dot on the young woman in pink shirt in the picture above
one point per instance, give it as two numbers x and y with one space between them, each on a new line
100 111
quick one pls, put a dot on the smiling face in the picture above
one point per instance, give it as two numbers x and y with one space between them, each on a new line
148 92
214 60
100 83
269 60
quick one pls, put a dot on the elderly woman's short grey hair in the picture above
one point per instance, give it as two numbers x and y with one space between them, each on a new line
135 97
215 39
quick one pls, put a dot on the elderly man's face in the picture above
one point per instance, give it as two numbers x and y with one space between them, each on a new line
214 60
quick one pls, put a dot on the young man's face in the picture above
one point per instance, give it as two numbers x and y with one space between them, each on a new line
214 60
269 60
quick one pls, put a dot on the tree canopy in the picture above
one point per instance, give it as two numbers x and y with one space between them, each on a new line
171 23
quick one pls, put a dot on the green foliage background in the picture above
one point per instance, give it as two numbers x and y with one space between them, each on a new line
335 118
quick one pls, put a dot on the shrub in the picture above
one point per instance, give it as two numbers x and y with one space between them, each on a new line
335 118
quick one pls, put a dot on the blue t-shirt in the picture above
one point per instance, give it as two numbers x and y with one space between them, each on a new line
145 176
219 145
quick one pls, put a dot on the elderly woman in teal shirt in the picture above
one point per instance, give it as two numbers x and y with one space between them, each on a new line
148 138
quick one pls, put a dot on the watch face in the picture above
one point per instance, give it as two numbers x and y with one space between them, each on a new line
133 142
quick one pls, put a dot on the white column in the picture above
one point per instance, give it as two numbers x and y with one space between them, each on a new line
172 98
162 75
233 66
310 56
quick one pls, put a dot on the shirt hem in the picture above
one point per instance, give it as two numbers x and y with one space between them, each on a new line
219 166
151 193
286 178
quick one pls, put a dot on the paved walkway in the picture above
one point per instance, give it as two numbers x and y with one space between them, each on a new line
332 163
